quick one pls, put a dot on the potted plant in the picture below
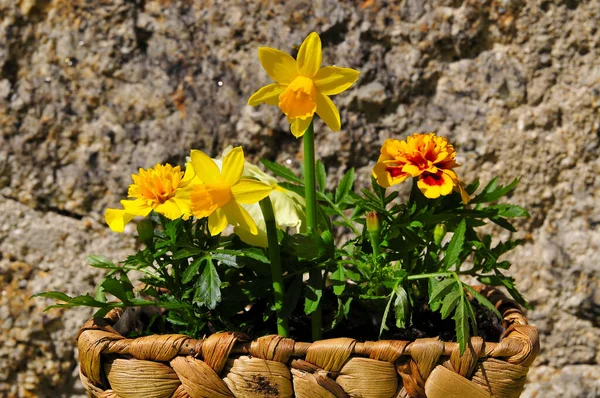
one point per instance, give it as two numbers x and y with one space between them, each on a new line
346 293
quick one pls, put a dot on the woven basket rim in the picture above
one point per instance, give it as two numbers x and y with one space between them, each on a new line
512 318
421 368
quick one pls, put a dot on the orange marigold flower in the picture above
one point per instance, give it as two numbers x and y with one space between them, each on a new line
426 156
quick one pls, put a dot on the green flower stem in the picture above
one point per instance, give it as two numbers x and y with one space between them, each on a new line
267 210
310 190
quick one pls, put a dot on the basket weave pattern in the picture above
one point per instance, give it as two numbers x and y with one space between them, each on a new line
228 365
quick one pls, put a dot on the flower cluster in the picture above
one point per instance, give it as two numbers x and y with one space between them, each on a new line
427 157
225 190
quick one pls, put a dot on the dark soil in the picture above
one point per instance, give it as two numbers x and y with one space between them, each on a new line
365 318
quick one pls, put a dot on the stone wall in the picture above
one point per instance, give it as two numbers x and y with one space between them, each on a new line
90 91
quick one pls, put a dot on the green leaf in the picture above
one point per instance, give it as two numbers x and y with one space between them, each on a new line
342 311
227 259
504 223
191 271
321 175
53 295
98 261
338 280
306 247
116 288
456 245
281 171
462 325
401 307
186 253
449 302
441 289
508 210
345 186
482 300
312 299
208 289
493 192
386 312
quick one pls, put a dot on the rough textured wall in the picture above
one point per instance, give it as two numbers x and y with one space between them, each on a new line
92 90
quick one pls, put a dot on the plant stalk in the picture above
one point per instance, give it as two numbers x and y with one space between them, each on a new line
275 257
310 191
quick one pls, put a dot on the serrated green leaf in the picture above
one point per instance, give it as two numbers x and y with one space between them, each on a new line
508 210
440 289
345 185
401 307
455 246
281 171
461 323
492 192
482 300
449 302
208 287
191 271
292 295
226 259
98 261
320 175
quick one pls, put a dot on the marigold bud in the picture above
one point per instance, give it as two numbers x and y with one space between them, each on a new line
438 233
373 222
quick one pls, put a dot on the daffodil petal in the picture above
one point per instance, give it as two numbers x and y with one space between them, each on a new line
298 126
217 222
268 94
331 80
239 217
260 239
288 207
117 219
205 168
233 165
137 207
189 175
280 66
169 209
248 191
309 56
327 111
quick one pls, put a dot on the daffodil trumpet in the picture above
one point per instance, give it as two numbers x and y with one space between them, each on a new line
275 258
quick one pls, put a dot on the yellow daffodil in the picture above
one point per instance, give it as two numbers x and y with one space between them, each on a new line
288 206
220 194
301 86
426 156
163 188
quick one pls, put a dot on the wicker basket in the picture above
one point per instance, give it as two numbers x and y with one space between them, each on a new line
228 365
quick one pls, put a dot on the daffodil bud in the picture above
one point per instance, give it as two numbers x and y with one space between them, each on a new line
438 233
145 230
373 222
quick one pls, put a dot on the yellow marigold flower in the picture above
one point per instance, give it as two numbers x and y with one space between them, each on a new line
426 156
220 194
301 86
163 188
